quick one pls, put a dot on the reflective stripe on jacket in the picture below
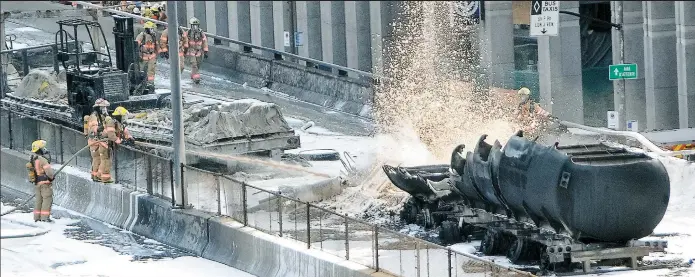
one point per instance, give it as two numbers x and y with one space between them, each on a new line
164 40
197 43
147 44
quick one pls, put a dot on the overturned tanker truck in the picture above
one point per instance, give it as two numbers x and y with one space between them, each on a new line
553 205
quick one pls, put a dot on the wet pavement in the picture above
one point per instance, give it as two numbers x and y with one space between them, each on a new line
95 232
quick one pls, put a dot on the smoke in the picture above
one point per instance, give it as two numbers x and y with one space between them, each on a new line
436 84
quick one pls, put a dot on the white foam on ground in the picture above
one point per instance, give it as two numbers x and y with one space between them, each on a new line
53 254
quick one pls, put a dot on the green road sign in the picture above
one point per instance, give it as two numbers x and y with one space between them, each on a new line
622 71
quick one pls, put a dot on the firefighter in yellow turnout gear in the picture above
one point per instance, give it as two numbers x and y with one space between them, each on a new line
121 132
147 41
40 169
197 48
183 45
94 128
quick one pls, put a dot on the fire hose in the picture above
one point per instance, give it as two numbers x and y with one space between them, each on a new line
55 174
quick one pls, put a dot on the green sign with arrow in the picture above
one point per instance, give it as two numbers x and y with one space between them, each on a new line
622 71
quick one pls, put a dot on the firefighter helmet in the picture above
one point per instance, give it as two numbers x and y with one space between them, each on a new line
524 91
101 103
194 21
120 111
38 145
149 25
136 10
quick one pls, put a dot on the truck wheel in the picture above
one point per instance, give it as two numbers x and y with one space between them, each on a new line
410 211
449 233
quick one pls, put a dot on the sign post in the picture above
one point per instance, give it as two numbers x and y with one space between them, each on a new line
545 18
622 71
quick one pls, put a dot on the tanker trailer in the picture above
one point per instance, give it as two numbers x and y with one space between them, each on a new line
593 193
559 203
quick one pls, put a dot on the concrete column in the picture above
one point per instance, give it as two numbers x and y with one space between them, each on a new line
326 31
661 81
222 19
255 17
377 42
338 32
182 12
279 29
351 34
498 43
267 25
560 68
364 37
635 100
314 31
302 27
210 17
685 37
239 21
190 7
199 9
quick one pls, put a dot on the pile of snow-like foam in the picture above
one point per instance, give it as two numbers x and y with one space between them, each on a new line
210 122
41 85
682 176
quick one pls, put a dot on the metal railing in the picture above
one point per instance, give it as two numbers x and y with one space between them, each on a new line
247 47
272 212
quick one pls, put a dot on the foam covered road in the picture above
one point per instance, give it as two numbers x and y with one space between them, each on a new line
79 246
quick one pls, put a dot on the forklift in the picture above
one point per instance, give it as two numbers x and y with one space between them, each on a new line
91 73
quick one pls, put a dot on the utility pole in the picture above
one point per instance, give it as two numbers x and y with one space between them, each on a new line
3 59
619 98
179 143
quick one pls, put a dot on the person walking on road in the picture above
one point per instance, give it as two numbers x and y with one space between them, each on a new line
147 41
43 181
164 46
197 48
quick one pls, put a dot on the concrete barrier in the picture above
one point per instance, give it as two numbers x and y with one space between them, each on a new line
186 229
216 238
312 85
265 255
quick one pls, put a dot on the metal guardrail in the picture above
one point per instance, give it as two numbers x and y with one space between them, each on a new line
637 136
342 70
318 228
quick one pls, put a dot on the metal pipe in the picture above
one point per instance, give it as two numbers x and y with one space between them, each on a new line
639 137
176 102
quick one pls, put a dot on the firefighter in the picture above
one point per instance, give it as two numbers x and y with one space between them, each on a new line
147 41
121 132
43 181
94 129
164 46
197 48
106 148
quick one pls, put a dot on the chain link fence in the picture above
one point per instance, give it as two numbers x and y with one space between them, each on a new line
271 212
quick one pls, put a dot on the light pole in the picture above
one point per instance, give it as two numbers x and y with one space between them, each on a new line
179 143
619 97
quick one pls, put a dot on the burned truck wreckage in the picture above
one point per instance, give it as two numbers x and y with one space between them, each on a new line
553 205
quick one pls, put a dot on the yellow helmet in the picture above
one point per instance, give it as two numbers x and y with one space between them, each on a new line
149 25
524 91
120 111
38 145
